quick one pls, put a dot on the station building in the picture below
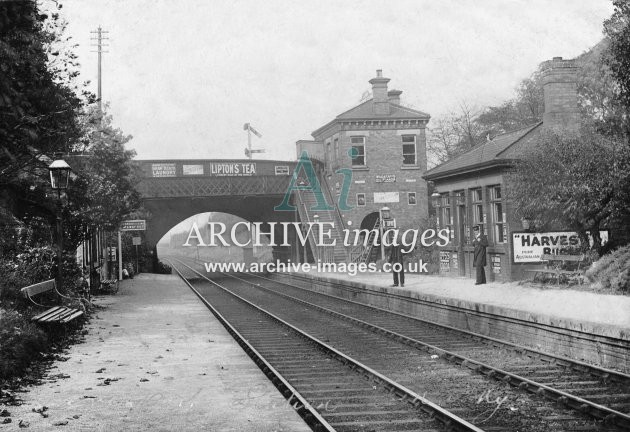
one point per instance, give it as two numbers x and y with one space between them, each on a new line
383 143
470 190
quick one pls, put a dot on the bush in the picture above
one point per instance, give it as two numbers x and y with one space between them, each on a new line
163 268
20 342
612 271
31 266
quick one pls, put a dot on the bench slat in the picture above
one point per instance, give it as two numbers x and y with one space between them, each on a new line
50 311
38 288
77 313
54 316
58 314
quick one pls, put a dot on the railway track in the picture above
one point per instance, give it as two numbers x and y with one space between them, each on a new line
491 404
330 390
602 393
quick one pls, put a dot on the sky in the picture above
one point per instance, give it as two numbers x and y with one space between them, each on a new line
182 77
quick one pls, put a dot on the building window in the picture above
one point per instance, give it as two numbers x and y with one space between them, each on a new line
447 219
360 199
358 151
409 149
497 214
328 155
462 230
336 144
477 206
411 198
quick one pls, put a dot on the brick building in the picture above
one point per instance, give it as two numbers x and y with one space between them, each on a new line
471 191
383 143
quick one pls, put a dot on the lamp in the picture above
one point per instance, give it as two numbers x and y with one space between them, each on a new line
526 222
59 174
435 197
384 214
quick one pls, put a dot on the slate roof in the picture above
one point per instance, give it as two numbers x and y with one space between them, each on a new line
498 151
365 111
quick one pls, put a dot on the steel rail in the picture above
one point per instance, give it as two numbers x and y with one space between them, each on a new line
585 406
450 420
304 409
573 364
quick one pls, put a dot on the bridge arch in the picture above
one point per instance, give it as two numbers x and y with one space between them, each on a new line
174 190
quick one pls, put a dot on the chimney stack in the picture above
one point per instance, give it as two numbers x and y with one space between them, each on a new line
394 96
559 79
379 94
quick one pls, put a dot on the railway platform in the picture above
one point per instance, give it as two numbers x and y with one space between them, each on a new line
154 359
574 323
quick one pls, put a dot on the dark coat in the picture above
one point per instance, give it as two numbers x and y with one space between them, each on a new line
395 254
480 251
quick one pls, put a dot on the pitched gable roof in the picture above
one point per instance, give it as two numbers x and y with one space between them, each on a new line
365 111
497 151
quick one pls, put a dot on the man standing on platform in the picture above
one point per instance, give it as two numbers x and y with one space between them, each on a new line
480 242
397 262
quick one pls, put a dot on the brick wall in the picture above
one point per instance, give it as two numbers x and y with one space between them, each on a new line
383 158
559 78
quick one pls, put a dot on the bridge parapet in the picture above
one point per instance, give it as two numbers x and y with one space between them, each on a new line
190 178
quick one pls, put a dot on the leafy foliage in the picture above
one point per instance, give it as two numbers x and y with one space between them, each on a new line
42 111
525 109
20 342
598 99
38 104
617 58
103 193
580 181
162 268
598 93
455 134
612 271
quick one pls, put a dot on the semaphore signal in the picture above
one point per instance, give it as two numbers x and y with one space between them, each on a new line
249 151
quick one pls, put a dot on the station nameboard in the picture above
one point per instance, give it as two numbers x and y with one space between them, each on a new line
232 169
133 225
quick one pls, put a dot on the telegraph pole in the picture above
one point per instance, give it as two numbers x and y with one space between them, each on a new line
101 35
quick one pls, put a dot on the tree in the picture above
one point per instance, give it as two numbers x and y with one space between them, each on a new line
579 181
524 110
39 107
617 56
598 99
103 192
454 134
598 93
38 104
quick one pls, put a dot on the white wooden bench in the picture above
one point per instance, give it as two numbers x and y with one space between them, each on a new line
554 267
55 314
